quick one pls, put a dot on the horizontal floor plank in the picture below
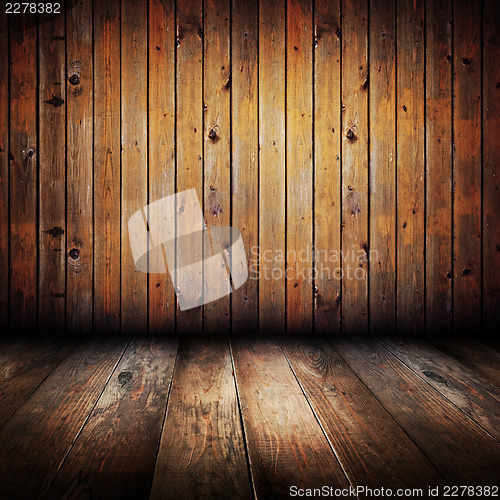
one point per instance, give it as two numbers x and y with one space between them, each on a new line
465 388
202 452
474 355
286 444
115 454
41 432
459 448
372 448
25 368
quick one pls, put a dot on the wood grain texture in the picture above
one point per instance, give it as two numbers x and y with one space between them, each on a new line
354 145
23 371
79 167
410 166
134 157
473 394
473 355
4 169
327 173
52 172
245 155
491 167
161 118
467 168
286 444
366 439
459 448
23 179
202 453
439 155
44 428
355 82
126 422
299 170
217 138
382 168
107 177
189 123
272 213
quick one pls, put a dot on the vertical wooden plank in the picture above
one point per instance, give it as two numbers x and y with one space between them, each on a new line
161 299
382 189
327 173
299 169
410 166
134 166
438 116
272 165
23 174
467 167
355 166
491 166
189 122
245 160
107 166
52 171
217 137
4 170
79 187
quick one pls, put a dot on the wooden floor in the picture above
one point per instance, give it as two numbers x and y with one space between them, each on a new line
244 418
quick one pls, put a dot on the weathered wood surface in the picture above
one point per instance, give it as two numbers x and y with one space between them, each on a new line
24 370
286 445
367 440
473 394
246 418
107 166
460 449
42 431
126 422
202 451
354 144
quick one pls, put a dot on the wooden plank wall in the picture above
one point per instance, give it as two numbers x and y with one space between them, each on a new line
354 143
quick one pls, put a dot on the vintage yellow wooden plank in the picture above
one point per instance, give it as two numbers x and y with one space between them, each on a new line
438 225
4 170
52 171
467 168
355 166
161 299
134 157
272 165
23 158
245 155
382 286
217 137
299 168
491 166
410 166
107 166
327 172
189 123
79 169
